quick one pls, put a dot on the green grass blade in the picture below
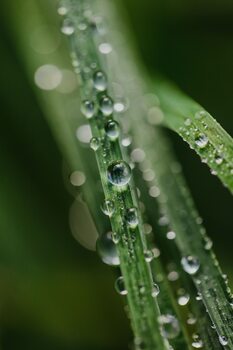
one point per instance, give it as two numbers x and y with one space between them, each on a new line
199 129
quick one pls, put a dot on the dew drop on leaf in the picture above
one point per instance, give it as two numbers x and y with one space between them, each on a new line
100 81
95 143
223 340
170 326
88 109
120 286
106 105
107 249
131 217
201 141
190 264
197 343
112 130
155 290
119 173
108 208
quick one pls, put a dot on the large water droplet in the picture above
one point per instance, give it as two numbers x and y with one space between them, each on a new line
108 208
120 286
107 250
131 218
170 326
88 108
223 340
119 173
106 105
100 81
112 130
190 264
201 140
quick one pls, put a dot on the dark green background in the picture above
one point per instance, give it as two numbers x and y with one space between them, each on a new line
53 293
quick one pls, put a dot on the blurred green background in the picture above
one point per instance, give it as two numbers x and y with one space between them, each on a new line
54 294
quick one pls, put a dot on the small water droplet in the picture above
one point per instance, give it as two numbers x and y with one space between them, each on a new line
105 48
208 244
188 122
100 81
191 320
88 108
183 299
131 218
197 342
112 129
120 286
170 326
106 105
218 159
115 237
148 254
171 235
155 290
201 141
108 208
62 10
95 143
119 173
107 249
67 27
173 276
223 340
190 264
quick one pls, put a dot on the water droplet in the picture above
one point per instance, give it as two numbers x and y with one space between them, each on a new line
62 10
107 250
131 217
105 48
126 141
155 290
188 122
108 208
95 143
191 320
173 276
148 254
119 173
100 81
190 264
197 343
171 235
170 326
137 155
201 141
183 299
67 27
223 340
88 108
112 130
208 244
120 286
77 178
106 105
218 159
115 237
